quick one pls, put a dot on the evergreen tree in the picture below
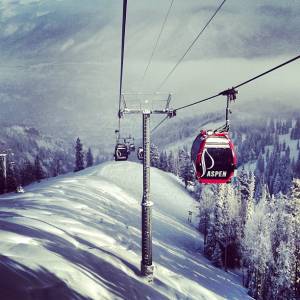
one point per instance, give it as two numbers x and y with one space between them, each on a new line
56 167
79 163
233 228
228 229
163 161
154 156
295 133
247 185
216 257
297 167
284 234
267 155
272 126
284 271
89 158
211 240
259 184
11 178
260 164
186 169
286 172
206 205
172 168
27 173
257 249
294 211
2 179
216 232
38 170
276 186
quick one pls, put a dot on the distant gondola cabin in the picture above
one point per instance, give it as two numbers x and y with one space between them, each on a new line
213 157
121 152
132 147
140 153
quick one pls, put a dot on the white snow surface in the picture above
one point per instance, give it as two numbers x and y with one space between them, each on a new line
78 237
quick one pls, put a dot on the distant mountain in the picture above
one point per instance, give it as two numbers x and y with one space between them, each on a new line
55 76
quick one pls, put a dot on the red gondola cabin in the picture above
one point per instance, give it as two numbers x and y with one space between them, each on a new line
213 157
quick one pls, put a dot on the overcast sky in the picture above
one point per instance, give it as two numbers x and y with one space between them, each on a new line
244 39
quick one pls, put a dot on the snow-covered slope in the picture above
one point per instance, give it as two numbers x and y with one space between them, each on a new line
78 237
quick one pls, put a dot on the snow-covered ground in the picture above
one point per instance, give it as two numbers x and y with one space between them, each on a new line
78 237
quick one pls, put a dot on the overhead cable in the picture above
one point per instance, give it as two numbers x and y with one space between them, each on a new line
225 92
122 57
190 47
240 84
159 124
157 40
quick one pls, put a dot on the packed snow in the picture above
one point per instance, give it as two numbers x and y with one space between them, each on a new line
78 237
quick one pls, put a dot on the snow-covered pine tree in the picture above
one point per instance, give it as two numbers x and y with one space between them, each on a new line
163 161
79 156
2 180
38 170
228 234
56 167
283 234
247 185
294 210
27 173
259 176
295 133
172 168
234 228
260 164
297 167
211 240
206 205
154 156
251 183
279 171
226 229
12 181
186 169
276 185
89 158
286 172
257 248
283 278
217 256
219 216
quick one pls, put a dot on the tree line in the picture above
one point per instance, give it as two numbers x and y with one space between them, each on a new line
253 224
24 172
260 237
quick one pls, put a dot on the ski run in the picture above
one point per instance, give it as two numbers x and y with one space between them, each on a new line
78 237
